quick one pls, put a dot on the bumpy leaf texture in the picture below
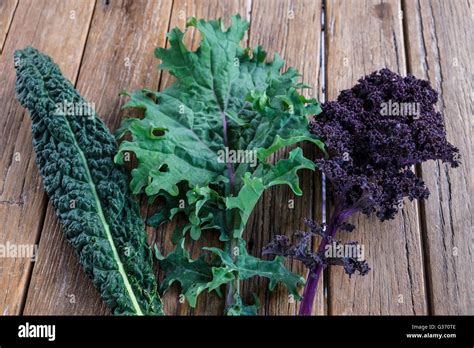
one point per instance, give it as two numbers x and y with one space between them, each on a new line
226 101
375 132
74 154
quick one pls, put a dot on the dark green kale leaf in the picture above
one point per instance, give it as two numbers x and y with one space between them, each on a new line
74 153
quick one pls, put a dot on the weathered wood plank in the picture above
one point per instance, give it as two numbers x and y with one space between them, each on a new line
7 11
51 29
118 55
208 304
293 29
440 49
364 36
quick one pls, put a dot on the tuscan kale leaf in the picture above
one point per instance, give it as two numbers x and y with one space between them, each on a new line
74 154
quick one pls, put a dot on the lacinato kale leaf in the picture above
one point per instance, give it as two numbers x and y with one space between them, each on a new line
74 154
206 141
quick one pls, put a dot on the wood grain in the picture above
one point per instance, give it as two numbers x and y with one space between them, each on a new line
292 29
118 55
7 10
22 199
363 36
440 49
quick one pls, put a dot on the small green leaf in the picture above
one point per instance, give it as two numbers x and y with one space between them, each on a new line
194 276
239 308
246 266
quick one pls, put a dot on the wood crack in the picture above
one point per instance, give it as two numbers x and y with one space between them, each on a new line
14 202
407 252
422 36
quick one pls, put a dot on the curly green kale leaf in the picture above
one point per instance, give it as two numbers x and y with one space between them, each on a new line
207 139
198 275
74 153
246 266
194 276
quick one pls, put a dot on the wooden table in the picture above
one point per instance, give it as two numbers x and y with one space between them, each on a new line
421 261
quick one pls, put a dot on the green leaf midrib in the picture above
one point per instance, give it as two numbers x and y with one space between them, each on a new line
101 215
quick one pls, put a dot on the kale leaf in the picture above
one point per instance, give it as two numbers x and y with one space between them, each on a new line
375 133
74 153
207 139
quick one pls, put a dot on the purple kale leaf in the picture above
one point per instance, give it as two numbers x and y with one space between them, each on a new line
375 133
372 143
301 250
